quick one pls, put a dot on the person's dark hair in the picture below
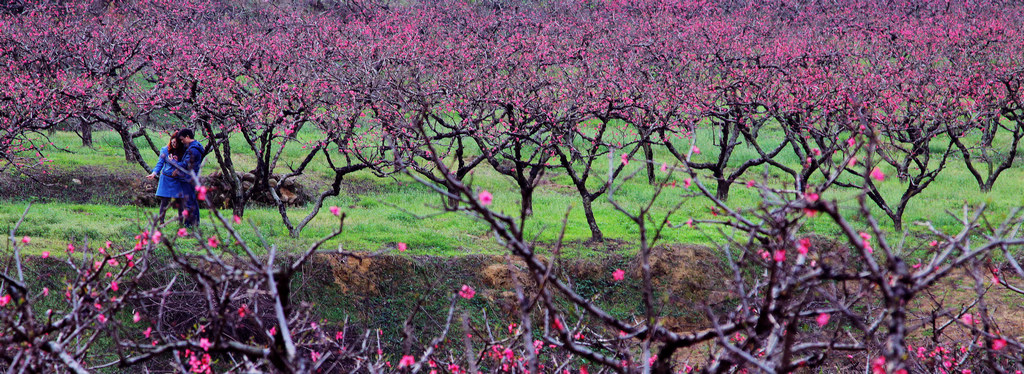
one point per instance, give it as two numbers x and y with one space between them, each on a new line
186 133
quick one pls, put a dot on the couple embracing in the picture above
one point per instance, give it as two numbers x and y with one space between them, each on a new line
178 170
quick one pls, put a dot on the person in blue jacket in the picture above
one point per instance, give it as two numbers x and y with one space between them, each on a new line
187 174
167 187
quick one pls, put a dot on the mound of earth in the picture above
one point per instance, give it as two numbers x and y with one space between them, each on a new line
84 185
99 185
218 191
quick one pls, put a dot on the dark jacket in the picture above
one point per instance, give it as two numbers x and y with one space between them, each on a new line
190 162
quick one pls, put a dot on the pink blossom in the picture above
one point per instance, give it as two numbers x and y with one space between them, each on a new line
402 247
867 242
46 254
4 300
999 344
406 361
156 236
822 319
664 167
967 319
625 159
204 343
877 174
236 218
149 330
212 241
182 232
878 365
25 239
335 210
779 256
46 291
314 355
811 197
618 275
695 150
804 246
113 285
485 198
102 318
201 192
686 182
136 318
467 292
750 183
851 142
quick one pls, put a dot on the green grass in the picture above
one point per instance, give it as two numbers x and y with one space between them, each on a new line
374 222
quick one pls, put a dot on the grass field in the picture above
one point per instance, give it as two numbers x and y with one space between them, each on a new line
375 223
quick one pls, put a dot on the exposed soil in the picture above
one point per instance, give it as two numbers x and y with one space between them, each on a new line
683 274
128 186
96 185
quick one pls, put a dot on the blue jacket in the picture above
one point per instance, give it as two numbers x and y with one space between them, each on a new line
164 166
191 161
168 186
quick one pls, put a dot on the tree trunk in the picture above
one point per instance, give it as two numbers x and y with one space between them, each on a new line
595 232
722 189
85 129
453 199
131 152
987 186
649 156
526 201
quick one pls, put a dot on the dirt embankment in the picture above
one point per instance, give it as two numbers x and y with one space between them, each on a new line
129 186
684 276
90 184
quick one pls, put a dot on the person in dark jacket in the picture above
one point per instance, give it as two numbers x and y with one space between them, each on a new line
187 174
167 187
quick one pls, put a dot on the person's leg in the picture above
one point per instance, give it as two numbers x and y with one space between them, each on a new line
191 206
179 205
165 202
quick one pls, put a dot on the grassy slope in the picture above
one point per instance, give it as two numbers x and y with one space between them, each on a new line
375 223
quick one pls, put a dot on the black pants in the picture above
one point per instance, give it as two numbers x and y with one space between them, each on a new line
191 204
165 202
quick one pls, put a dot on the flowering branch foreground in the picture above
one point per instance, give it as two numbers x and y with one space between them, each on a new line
866 308
854 91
